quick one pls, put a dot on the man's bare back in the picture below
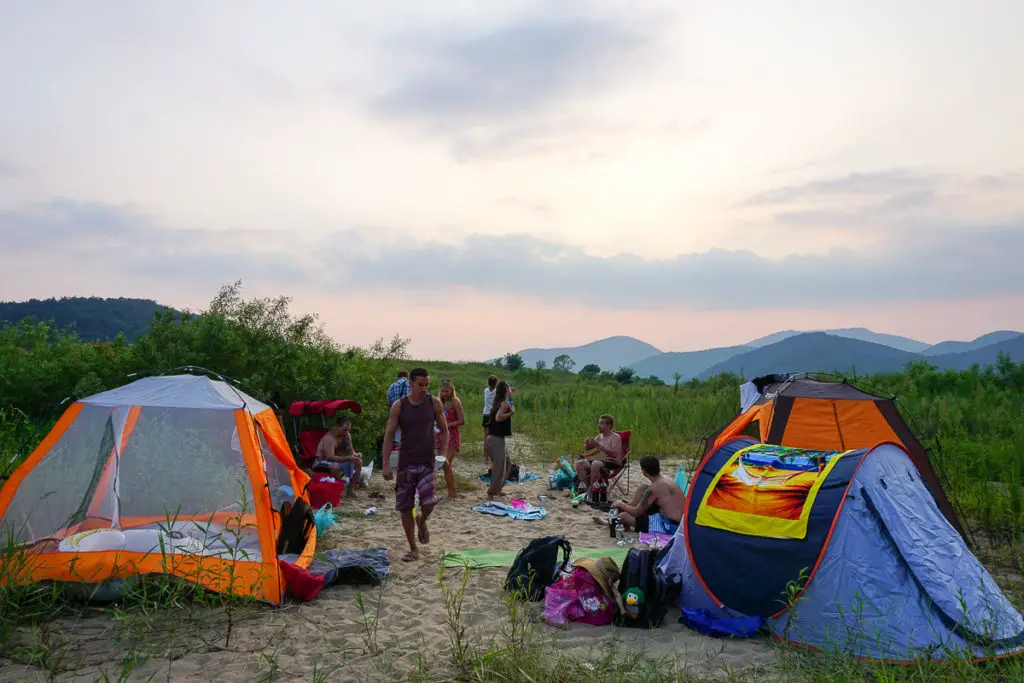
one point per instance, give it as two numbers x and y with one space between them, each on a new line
670 498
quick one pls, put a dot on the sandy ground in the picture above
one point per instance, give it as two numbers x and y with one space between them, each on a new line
296 641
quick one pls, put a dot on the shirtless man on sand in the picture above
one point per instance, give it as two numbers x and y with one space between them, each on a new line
661 505
416 414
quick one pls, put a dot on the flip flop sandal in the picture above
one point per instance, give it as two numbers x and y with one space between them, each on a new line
410 557
424 534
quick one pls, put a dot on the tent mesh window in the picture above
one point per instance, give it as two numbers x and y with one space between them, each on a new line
58 485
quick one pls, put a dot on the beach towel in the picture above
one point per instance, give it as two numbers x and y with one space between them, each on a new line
522 510
482 558
656 541
528 476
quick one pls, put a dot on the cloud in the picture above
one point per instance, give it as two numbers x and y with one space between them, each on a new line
125 241
868 206
862 184
511 70
531 85
951 263
954 265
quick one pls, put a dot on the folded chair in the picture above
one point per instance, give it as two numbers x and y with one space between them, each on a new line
613 480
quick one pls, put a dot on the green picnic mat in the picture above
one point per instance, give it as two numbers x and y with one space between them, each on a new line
481 558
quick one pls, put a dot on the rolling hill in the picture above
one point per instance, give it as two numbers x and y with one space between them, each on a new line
962 347
688 364
611 353
861 333
815 352
94 318
986 355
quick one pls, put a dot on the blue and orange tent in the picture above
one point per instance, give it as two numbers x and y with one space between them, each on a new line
841 548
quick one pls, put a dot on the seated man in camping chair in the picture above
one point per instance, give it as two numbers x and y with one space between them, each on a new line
336 449
606 459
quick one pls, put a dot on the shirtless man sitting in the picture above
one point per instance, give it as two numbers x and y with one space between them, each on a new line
608 456
336 448
661 505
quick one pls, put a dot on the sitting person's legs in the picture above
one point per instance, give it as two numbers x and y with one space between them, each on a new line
583 473
357 467
597 472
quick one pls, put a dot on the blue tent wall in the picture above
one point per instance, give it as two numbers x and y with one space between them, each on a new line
893 582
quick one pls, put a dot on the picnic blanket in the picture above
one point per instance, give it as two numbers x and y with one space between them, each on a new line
516 509
481 558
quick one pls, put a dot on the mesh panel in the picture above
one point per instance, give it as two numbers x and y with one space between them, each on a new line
278 478
57 486
181 461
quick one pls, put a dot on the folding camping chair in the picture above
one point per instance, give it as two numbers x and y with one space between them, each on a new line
309 435
612 480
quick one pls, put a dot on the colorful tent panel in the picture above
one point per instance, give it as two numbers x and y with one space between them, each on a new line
716 550
801 412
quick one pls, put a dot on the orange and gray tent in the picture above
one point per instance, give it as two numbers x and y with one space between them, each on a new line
179 474
802 411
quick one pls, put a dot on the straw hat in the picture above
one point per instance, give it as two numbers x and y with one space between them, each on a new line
606 573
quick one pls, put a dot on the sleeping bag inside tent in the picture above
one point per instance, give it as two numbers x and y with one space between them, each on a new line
172 474
839 550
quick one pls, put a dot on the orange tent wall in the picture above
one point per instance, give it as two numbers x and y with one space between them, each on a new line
823 424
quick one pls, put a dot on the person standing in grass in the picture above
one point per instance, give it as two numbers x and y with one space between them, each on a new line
500 428
455 417
415 414
492 382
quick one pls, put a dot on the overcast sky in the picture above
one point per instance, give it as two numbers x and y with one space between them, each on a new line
483 177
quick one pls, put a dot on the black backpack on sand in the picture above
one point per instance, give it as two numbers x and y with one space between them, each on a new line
646 590
297 523
536 566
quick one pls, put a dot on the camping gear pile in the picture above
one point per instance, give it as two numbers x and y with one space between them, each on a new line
593 591
176 474
832 531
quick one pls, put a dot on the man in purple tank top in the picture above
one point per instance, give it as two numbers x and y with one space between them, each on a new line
416 414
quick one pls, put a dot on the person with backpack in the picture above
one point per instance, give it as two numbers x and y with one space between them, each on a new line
416 414
660 509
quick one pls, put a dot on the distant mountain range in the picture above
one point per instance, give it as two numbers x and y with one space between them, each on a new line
845 350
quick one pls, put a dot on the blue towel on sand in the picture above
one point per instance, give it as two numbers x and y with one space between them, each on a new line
529 476
506 510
